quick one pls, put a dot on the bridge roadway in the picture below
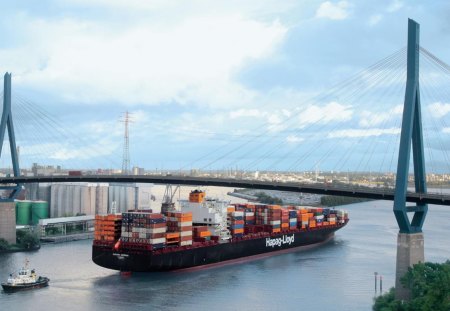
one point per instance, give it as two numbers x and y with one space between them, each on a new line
317 188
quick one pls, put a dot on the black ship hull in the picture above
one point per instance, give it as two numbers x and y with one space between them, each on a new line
183 258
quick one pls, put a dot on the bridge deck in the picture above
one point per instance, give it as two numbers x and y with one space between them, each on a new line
328 189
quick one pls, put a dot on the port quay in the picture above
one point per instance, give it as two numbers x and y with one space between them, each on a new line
260 161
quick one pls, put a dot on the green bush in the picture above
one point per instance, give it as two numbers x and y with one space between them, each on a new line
27 239
430 289
331 200
3 244
267 199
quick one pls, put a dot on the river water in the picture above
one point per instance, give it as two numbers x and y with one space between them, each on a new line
336 276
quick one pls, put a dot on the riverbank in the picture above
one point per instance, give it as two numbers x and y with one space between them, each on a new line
16 249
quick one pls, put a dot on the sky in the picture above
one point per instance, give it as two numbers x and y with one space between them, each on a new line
214 84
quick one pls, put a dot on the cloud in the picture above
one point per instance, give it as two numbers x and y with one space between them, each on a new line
333 111
394 6
293 139
192 61
370 118
240 113
375 19
439 109
355 133
334 11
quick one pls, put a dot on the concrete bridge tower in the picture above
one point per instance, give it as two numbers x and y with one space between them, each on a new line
7 205
410 241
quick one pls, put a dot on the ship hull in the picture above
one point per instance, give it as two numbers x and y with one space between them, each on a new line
148 261
42 282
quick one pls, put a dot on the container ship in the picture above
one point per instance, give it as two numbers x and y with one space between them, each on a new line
207 231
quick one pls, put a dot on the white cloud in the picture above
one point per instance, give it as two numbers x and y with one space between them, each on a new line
354 133
439 109
394 6
333 111
446 130
240 113
375 19
293 139
334 11
370 118
190 61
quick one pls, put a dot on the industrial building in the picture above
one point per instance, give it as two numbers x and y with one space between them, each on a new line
66 199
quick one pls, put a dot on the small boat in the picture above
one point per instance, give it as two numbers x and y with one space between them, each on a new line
25 279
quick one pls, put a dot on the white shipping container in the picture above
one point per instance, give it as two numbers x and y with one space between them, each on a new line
238 214
184 243
186 233
275 222
157 241
157 230
185 224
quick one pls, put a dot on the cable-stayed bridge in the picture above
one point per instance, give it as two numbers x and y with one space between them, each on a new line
367 130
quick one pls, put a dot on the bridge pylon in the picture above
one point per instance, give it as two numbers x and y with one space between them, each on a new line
7 205
410 242
7 123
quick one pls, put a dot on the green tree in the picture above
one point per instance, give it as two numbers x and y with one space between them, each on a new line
430 289
387 302
27 239
3 244
267 199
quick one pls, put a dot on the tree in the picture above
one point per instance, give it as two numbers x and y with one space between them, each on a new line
387 302
27 239
430 289
3 244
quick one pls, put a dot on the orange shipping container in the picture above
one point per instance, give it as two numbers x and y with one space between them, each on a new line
172 235
204 234
274 207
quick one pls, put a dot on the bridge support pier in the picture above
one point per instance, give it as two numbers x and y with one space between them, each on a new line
410 251
8 222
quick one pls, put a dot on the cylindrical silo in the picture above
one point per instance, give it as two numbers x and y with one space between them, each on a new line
23 212
39 210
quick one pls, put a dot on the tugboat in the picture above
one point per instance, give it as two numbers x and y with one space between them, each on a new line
25 279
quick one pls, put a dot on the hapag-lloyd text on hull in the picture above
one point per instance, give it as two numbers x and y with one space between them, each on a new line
285 239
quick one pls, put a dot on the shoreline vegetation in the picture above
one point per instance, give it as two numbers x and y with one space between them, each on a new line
331 200
429 284
25 241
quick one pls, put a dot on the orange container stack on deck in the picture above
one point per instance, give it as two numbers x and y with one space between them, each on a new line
107 228
201 233
181 223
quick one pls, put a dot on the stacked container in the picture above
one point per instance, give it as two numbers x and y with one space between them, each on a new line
236 223
342 216
107 228
249 216
332 217
201 233
181 223
143 229
292 219
284 219
273 213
